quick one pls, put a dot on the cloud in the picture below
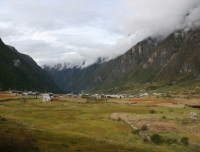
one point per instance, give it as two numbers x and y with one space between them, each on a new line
16 63
81 31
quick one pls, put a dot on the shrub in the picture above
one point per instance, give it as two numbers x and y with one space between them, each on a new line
85 96
2 118
152 111
65 145
118 119
136 131
185 141
6 131
144 128
171 141
156 138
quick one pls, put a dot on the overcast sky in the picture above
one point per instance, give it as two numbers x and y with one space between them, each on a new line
77 31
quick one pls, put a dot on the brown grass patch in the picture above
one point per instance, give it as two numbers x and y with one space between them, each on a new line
55 100
152 101
140 100
2 95
165 101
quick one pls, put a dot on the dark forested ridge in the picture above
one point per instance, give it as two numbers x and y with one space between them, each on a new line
20 72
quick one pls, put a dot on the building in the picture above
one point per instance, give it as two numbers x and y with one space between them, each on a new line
46 97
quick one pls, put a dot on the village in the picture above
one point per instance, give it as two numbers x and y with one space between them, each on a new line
47 96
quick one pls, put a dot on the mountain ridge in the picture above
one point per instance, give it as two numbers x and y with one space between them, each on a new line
173 60
21 72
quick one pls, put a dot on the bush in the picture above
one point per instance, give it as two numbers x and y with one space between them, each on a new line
185 141
118 119
136 131
152 111
171 141
85 96
156 138
144 128
2 118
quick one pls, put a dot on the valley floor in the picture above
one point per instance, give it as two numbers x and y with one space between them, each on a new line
80 125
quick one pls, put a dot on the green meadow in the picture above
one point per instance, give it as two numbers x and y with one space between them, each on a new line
72 125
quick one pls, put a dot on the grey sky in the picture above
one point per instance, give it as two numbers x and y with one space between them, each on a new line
73 32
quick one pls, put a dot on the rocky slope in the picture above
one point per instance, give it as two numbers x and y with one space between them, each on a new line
172 61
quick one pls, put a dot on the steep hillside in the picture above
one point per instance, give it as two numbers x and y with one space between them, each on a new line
99 76
172 65
75 79
148 65
20 71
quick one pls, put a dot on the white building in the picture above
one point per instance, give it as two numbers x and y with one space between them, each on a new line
47 97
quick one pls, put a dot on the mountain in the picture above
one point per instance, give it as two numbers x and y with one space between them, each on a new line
21 72
100 75
170 64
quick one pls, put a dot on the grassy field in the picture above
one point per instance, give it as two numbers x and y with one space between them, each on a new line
73 125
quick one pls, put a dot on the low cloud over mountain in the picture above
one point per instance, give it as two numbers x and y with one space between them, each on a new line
79 32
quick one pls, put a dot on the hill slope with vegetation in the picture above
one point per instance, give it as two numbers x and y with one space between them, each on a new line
21 72
149 65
